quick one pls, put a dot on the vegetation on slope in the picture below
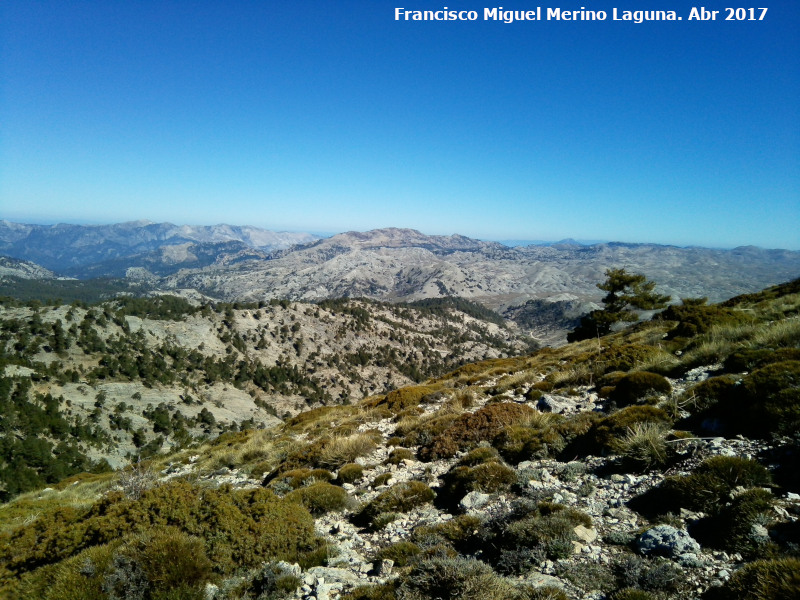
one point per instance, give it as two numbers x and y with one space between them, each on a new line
477 426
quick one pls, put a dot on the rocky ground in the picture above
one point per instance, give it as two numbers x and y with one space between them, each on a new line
586 485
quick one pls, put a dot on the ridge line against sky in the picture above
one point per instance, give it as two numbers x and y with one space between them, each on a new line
335 116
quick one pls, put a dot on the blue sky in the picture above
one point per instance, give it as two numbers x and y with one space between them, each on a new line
329 115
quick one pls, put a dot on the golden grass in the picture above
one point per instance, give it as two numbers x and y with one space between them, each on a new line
342 450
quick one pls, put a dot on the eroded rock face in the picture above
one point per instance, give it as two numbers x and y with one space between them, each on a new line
665 540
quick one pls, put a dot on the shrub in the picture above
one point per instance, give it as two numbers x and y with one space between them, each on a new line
488 477
638 386
732 528
478 456
706 394
297 478
518 443
750 358
777 579
469 429
401 553
644 446
545 592
463 578
633 571
607 433
380 480
632 594
320 498
625 357
529 534
706 489
241 528
408 397
456 531
398 455
771 399
401 497
349 473
371 592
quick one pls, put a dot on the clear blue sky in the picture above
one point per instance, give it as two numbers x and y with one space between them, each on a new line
329 115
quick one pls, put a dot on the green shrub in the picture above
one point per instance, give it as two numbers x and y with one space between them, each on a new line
462 578
777 579
754 358
469 429
639 385
771 397
398 455
706 489
401 497
517 442
545 592
380 480
349 473
700 398
606 434
625 357
522 539
488 477
371 592
732 527
454 532
632 594
478 456
297 478
401 553
320 498
408 397
241 528
632 571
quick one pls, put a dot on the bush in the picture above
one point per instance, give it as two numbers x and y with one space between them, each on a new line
371 592
528 535
479 455
656 576
777 579
732 528
488 477
398 455
408 397
401 553
401 497
463 578
606 434
380 480
751 359
706 489
638 386
320 498
349 473
241 528
297 478
518 443
765 402
482 425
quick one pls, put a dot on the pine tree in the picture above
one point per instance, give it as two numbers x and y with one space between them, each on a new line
625 292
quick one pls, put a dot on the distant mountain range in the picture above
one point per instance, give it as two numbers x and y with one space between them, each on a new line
251 264
107 250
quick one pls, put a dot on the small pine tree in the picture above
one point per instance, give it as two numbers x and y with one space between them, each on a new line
625 292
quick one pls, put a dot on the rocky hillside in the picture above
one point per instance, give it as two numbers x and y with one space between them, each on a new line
658 462
403 264
244 264
136 375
